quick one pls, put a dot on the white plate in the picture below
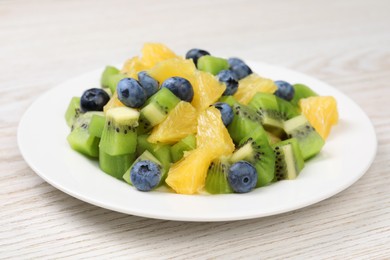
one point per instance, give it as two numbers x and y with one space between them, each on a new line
346 156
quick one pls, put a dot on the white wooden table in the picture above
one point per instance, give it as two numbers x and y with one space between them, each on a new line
42 43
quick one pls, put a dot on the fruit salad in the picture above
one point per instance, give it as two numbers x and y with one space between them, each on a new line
198 123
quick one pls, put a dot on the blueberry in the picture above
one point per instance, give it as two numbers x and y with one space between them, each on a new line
242 177
195 54
230 80
179 86
148 83
226 112
285 90
131 93
145 175
240 69
94 99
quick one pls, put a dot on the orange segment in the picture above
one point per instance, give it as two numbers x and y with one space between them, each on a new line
250 85
153 53
188 175
133 66
113 102
174 67
321 112
207 90
212 134
180 122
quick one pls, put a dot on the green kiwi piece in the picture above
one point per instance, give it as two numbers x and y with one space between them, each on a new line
73 111
119 133
216 180
267 108
286 109
309 141
156 109
245 121
230 100
108 72
115 165
255 149
289 161
212 64
301 91
112 80
145 156
79 138
97 124
162 152
186 144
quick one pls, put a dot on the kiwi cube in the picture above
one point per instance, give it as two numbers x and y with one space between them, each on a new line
73 111
309 141
115 165
119 133
106 75
113 80
216 180
301 91
186 144
286 109
267 108
230 100
255 149
212 64
80 139
156 109
245 120
289 161
97 124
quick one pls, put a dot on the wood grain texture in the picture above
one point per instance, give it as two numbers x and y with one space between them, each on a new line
42 43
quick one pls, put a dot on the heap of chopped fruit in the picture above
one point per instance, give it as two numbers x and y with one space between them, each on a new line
199 123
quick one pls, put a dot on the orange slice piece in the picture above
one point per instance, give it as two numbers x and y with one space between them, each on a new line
207 90
180 122
188 175
321 111
153 53
250 85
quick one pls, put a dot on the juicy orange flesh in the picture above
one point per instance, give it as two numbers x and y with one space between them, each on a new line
250 85
175 67
152 54
188 175
181 121
133 66
207 90
113 102
212 133
321 112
